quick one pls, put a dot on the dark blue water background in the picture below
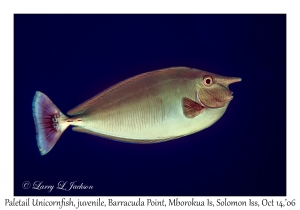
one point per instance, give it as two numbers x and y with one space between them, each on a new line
74 57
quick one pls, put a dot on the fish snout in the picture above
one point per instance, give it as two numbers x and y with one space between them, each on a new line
227 80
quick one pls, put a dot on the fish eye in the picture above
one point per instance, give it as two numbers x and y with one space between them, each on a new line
207 80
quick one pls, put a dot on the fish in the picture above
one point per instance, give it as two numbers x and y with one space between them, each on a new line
151 107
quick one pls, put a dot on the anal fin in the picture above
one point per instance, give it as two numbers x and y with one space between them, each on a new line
191 108
127 140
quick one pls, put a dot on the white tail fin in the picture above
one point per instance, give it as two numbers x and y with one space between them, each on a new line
50 123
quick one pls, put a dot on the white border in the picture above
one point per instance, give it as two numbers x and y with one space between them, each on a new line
10 7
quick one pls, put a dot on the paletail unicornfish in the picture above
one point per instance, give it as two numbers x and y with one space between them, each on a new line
151 107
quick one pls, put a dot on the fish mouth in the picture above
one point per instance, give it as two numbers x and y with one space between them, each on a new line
229 94
229 98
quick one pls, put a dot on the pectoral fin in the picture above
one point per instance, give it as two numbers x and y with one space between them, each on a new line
191 108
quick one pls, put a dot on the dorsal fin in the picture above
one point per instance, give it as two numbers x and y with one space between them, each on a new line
191 108
83 106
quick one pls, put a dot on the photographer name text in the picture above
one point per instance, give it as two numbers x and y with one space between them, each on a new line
61 185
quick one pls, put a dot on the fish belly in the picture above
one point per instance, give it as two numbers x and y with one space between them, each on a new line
151 114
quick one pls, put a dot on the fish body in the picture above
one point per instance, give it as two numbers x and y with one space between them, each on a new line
152 107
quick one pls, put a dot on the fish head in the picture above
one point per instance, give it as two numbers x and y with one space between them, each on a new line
212 89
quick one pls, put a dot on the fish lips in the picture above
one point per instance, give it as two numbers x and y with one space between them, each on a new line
229 96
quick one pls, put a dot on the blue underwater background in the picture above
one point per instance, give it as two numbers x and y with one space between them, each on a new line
71 58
